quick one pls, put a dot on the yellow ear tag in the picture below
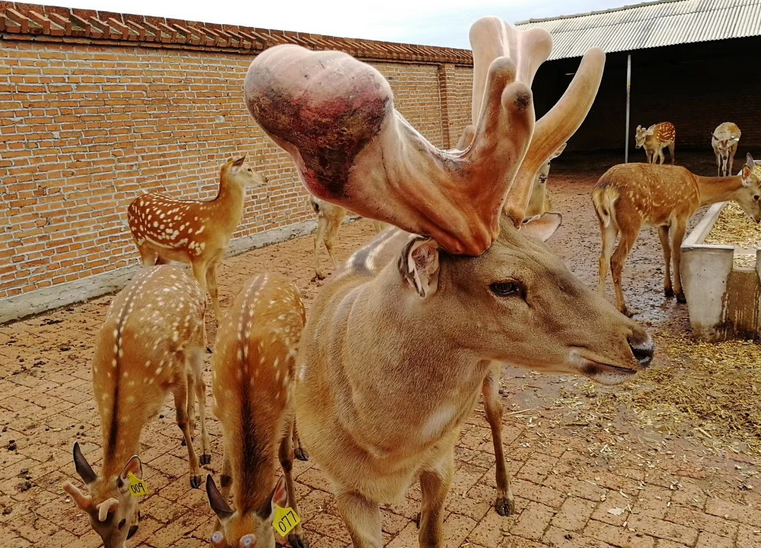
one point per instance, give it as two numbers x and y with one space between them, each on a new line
137 487
285 520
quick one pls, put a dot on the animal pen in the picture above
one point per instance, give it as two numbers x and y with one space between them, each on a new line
98 108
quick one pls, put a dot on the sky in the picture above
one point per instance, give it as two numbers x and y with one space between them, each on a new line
431 22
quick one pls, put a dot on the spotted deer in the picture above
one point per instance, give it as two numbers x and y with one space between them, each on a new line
330 217
724 140
150 345
654 139
190 231
629 196
401 342
252 371
540 197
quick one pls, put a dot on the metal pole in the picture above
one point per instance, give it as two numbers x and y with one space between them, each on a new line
628 103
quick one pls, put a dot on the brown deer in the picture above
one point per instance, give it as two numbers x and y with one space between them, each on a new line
539 202
724 140
252 370
400 344
330 217
150 345
193 232
654 139
629 196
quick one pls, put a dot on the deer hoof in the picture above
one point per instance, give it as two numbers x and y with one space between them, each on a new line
297 541
504 506
205 459
209 350
417 520
680 297
301 454
669 292
629 312
195 481
318 276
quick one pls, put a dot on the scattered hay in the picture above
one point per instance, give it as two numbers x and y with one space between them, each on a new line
714 388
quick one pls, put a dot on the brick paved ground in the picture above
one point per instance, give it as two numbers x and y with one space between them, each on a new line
580 481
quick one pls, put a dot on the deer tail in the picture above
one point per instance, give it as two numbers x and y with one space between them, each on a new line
604 200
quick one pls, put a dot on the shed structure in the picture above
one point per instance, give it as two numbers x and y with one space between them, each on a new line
694 63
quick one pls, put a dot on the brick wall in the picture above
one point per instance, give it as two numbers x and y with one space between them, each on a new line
89 123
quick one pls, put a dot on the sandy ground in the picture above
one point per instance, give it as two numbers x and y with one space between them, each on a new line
589 470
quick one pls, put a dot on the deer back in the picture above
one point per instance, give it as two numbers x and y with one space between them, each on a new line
253 366
152 326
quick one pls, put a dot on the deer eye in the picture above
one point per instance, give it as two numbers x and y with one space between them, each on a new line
505 289
121 525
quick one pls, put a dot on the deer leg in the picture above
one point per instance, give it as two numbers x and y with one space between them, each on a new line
298 450
505 503
362 518
434 485
731 161
226 484
191 405
677 235
330 239
180 402
608 234
663 234
628 237
296 536
199 273
672 146
196 365
322 224
211 280
661 156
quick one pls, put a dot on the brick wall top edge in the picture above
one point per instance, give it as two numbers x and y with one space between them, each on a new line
57 22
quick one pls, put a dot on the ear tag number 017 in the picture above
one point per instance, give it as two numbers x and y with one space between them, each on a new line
137 487
285 520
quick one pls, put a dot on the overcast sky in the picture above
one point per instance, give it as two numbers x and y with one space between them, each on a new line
432 22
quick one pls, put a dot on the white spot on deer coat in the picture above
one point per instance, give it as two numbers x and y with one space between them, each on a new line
438 421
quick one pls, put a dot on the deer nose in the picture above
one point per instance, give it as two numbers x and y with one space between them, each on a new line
642 347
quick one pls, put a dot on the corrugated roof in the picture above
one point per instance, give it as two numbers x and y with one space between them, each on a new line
651 25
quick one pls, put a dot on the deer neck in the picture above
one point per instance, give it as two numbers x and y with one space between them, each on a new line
228 204
717 189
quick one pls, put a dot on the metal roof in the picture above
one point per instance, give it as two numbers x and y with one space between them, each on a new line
651 25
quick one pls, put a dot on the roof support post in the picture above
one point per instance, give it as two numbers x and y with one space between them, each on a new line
628 104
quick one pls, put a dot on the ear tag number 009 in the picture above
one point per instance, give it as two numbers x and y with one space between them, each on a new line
285 520
137 487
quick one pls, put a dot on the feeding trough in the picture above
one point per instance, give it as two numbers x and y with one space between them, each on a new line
721 275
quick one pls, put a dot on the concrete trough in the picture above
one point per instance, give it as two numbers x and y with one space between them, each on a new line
724 300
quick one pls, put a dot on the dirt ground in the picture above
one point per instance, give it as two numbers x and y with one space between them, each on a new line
592 467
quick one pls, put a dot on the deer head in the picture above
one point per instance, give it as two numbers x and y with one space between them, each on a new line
544 170
640 136
749 194
240 173
108 503
246 528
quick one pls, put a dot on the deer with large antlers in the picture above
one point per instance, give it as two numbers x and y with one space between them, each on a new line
629 196
193 232
654 139
724 140
400 343
151 345
253 368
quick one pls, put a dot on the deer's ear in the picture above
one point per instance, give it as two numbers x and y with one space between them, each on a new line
239 161
217 501
542 227
559 151
650 132
279 496
419 265
133 466
749 160
83 467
